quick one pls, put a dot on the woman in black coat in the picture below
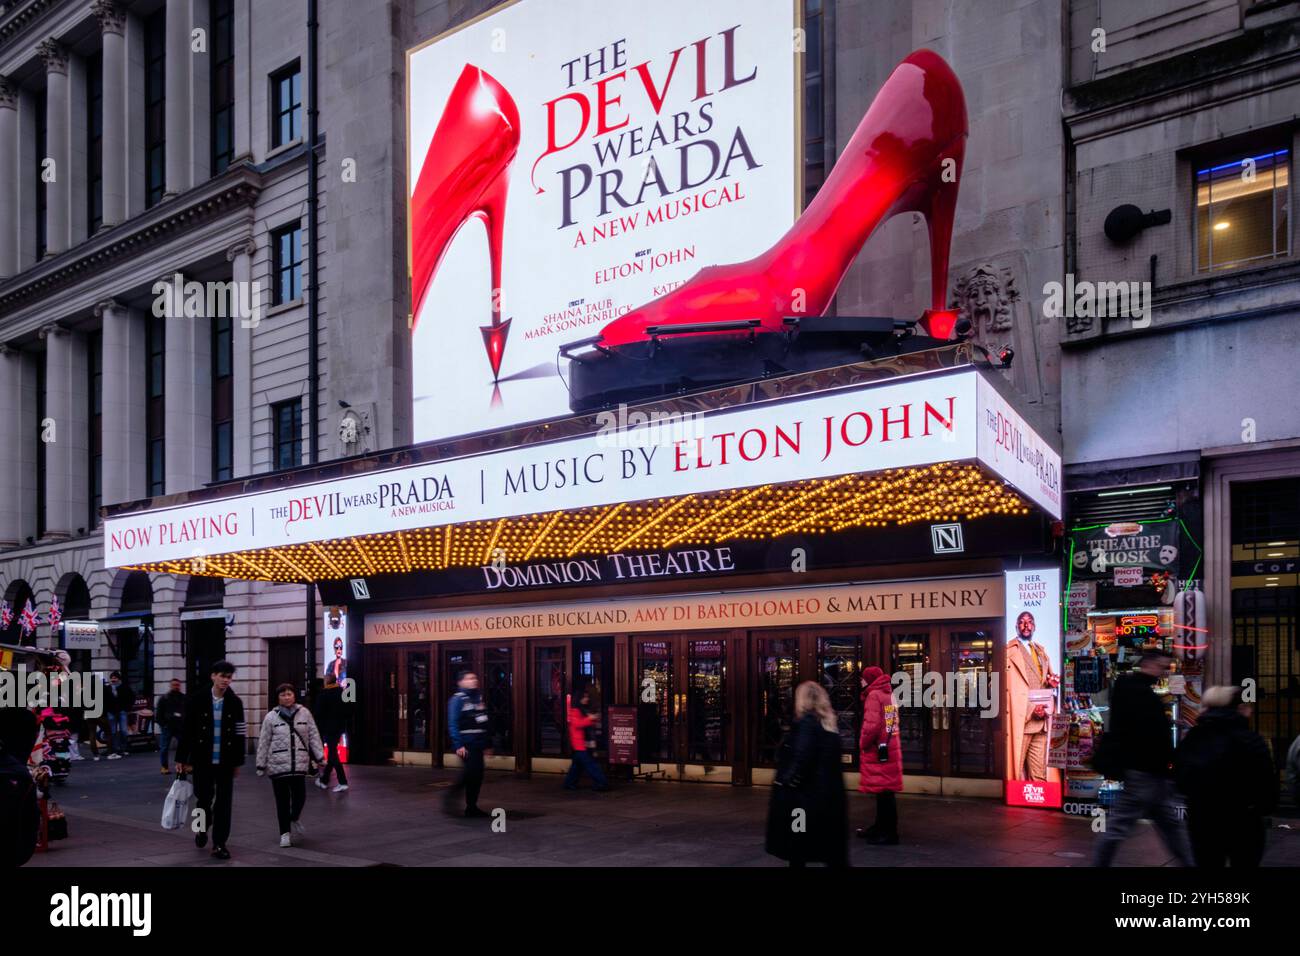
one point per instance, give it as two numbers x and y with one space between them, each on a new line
807 818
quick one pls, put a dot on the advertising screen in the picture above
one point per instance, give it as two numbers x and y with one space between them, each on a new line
1032 677
597 160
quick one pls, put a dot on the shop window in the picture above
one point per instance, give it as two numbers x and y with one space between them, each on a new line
1243 210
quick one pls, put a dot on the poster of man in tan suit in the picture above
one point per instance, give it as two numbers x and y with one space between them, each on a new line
1028 668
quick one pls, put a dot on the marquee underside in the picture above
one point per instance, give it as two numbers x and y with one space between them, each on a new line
935 493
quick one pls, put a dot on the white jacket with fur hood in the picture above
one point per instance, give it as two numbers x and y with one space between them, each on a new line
284 749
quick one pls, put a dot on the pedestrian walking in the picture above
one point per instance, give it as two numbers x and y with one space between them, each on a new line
807 818
1226 772
169 716
332 716
467 721
582 738
118 701
212 750
1293 770
880 758
288 751
1139 747
20 816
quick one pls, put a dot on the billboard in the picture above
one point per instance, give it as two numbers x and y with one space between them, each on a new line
1032 670
596 160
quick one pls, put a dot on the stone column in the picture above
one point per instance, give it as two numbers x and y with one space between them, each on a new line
8 178
123 403
67 456
240 257
187 402
176 110
58 147
11 437
112 26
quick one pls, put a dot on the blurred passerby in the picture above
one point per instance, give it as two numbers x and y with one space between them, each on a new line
582 738
169 716
1225 771
212 749
880 760
20 816
467 722
118 701
288 751
332 713
807 817
1142 737
1293 770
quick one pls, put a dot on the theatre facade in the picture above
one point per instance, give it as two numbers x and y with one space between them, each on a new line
693 567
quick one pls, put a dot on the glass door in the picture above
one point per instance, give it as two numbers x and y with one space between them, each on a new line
681 686
776 661
910 653
493 664
839 670
969 723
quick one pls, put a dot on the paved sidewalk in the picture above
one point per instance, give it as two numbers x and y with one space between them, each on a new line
391 816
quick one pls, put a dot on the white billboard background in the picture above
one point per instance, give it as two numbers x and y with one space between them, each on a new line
525 47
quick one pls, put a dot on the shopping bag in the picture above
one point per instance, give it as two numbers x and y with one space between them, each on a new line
177 806
57 827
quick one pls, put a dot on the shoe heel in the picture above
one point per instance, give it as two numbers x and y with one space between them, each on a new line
492 208
939 214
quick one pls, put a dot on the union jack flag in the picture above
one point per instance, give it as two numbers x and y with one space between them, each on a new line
29 618
56 613
6 615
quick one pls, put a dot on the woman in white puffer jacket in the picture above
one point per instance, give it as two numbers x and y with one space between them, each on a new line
288 750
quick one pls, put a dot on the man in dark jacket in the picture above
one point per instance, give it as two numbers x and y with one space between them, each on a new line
1142 734
20 815
332 713
1227 774
212 747
169 716
467 722
119 699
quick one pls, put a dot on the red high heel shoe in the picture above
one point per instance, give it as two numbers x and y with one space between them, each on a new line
894 163
465 176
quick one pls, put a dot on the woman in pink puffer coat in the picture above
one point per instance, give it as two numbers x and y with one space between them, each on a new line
884 778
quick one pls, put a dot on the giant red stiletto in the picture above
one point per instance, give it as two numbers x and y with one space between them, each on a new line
905 156
466 176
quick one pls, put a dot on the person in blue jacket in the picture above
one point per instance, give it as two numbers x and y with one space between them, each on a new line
467 721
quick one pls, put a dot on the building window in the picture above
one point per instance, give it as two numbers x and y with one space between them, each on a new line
94 142
286 434
154 389
222 399
286 105
94 418
222 107
39 101
814 134
41 382
155 124
1243 211
286 265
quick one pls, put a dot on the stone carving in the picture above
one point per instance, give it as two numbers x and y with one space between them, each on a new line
8 94
354 427
986 295
55 55
111 16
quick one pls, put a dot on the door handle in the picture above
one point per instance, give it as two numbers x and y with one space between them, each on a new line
934 717
946 712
